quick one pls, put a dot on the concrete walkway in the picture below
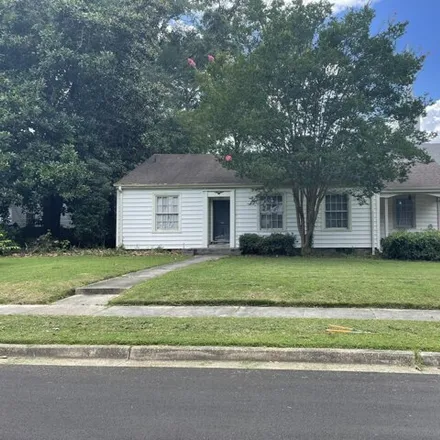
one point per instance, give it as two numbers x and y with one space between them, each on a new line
114 286
85 307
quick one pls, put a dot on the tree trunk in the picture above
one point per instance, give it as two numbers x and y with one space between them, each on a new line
52 208
307 204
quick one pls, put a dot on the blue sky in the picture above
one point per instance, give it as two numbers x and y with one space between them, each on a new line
422 35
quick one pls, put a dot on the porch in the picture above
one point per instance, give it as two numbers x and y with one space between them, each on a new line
409 211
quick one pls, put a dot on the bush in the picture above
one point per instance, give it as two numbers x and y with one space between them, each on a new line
250 244
279 244
6 245
274 244
46 243
412 246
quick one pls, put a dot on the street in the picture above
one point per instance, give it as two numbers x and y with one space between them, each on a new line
79 403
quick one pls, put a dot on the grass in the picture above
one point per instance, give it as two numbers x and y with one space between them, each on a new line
330 282
399 335
43 279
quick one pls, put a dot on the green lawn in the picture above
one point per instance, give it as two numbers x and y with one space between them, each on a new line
39 279
343 282
399 335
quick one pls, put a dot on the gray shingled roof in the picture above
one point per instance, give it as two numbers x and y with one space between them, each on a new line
422 176
181 169
205 170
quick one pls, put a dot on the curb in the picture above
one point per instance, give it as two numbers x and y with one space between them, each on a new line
66 351
430 359
312 355
188 353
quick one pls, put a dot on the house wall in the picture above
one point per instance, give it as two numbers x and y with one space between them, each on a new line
135 223
358 236
426 213
18 215
136 220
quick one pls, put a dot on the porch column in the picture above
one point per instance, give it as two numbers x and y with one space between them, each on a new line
386 217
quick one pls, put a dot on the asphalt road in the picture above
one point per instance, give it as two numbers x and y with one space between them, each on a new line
76 403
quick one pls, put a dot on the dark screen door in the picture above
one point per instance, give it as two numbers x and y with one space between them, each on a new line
221 220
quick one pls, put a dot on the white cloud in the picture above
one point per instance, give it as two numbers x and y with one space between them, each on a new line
432 120
180 25
340 5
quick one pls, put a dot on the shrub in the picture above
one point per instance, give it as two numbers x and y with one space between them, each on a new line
250 244
279 244
6 245
46 243
274 244
412 246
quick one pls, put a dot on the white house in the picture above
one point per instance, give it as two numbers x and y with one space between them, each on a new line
189 201
20 217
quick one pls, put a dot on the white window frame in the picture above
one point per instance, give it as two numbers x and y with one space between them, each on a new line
283 204
155 213
396 201
343 229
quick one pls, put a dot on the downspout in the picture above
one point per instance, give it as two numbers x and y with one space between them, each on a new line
438 213
373 247
119 208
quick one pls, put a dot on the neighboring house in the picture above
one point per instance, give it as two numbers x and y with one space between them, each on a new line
178 201
21 218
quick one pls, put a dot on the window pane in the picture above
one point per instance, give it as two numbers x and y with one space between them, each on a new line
271 212
167 213
336 211
404 212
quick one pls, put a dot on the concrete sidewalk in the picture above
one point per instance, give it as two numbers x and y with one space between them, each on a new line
86 305
114 286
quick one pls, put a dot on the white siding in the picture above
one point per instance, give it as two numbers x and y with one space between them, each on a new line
137 222
66 220
246 220
358 236
18 215
426 213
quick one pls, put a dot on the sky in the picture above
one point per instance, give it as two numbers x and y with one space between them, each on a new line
422 35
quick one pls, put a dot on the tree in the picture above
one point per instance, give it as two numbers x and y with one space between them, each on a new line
319 103
207 28
81 91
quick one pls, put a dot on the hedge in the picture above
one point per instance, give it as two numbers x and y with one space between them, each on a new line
274 244
412 246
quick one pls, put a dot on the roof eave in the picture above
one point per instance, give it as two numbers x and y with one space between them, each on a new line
413 190
186 185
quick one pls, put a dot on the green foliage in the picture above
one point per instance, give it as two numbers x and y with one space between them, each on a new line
279 244
250 244
46 243
405 245
330 105
7 246
81 92
274 244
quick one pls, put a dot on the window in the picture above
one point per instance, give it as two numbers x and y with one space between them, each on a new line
404 212
336 211
271 212
167 213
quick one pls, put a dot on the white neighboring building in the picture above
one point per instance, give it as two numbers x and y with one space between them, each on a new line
18 216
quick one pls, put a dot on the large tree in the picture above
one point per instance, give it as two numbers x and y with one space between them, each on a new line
82 95
320 102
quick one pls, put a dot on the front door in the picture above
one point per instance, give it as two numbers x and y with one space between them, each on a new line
221 221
